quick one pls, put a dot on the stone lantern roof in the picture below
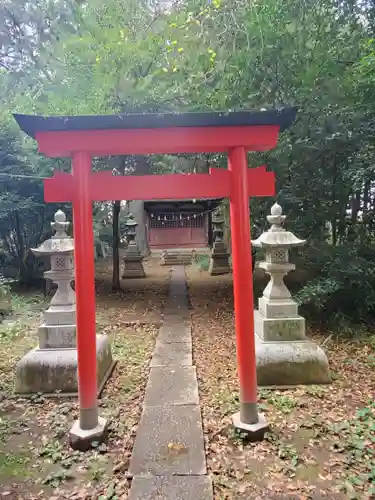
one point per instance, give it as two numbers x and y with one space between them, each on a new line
131 222
277 236
218 216
60 243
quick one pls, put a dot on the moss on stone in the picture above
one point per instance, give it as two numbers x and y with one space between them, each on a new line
293 373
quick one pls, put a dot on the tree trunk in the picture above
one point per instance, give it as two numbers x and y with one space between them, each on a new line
115 246
355 208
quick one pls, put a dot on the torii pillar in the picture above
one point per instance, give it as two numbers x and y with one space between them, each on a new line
83 137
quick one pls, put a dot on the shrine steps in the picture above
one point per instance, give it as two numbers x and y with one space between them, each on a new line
179 257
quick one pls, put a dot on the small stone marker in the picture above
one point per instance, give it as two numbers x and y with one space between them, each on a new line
52 366
284 355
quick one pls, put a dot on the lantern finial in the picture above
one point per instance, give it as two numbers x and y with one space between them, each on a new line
276 209
60 216
60 225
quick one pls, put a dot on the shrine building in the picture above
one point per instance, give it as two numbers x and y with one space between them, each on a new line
173 224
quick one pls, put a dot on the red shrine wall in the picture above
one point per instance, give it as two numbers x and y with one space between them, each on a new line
177 230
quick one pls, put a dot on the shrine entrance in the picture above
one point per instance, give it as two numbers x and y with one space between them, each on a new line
83 137
175 224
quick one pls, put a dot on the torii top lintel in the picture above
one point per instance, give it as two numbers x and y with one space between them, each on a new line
143 134
163 133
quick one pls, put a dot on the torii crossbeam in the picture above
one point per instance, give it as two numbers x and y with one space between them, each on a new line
83 137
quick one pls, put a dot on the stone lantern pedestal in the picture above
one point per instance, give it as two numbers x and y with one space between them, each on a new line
219 261
284 354
133 266
52 366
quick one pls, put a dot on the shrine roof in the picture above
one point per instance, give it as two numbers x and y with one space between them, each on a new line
32 124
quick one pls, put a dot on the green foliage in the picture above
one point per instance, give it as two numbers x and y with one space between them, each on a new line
203 261
282 403
341 284
359 445
16 465
74 57
24 217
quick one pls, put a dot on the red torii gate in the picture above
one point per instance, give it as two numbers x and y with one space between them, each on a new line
83 137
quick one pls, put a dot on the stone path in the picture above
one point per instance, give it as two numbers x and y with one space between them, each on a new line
168 460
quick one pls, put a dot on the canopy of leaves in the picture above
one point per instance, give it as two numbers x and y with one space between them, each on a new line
69 57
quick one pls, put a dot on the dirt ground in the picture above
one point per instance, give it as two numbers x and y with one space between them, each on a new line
322 439
35 459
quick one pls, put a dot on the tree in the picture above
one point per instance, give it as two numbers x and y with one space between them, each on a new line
24 217
233 54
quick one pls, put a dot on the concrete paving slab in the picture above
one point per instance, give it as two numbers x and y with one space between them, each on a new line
173 353
172 488
177 312
175 333
169 441
176 307
176 315
176 319
172 385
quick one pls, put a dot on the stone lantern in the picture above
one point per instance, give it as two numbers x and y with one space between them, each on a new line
133 266
284 355
52 366
219 263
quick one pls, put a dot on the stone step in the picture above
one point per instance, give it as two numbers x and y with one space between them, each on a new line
172 488
169 442
172 385
179 262
173 353
170 334
175 259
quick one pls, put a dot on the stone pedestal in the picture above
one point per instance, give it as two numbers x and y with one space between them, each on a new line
52 366
55 369
219 261
133 265
285 357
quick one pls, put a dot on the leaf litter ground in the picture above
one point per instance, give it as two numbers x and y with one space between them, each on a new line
35 459
322 439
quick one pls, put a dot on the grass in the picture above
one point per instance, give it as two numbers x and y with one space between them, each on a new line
14 465
282 403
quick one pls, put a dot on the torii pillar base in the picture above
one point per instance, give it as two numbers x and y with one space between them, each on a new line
82 439
254 432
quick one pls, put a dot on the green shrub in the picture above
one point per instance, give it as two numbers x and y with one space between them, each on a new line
341 285
203 261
